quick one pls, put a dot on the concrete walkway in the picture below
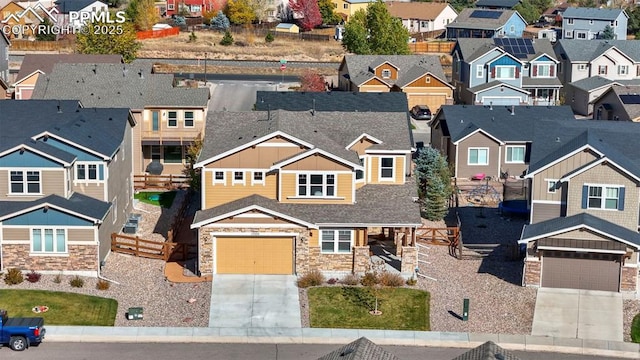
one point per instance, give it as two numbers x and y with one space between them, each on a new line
582 314
255 301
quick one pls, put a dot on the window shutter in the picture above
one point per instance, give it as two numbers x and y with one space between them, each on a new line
621 199
493 72
585 195
552 70
517 72
535 70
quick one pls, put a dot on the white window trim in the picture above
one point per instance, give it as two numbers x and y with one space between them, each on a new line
570 21
506 154
258 182
324 185
603 198
221 181
477 148
479 71
582 67
393 169
169 119
170 6
545 66
555 189
86 172
25 183
335 241
364 172
49 253
606 70
386 71
626 71
184 119
505 66
512 28
234 181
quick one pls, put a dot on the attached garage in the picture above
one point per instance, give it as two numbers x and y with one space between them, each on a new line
588 271
434 102
254 255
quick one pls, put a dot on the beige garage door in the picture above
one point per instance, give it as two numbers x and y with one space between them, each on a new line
581 273
254 255
432 101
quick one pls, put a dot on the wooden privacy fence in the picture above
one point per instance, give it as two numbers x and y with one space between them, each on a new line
432 47
153 34
168 182
150 249
28 45
178 219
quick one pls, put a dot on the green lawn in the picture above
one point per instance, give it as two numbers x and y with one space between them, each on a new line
635 329
402 309
164 199
64 308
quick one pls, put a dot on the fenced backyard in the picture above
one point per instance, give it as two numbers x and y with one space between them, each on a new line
168 182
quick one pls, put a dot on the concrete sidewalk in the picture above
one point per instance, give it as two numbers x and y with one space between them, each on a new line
341 336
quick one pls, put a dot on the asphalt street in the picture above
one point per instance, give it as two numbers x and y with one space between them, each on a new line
197 351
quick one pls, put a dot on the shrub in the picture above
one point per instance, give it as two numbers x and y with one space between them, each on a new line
192 37
227 39
33 277
412 281
369 279
103 285
312 278
57 279
332 281
76 282
13 277
635 329
350 279
391 280
269 38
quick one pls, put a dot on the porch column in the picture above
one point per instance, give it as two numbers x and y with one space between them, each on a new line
365 241
409 261
398 241
361 259
535 96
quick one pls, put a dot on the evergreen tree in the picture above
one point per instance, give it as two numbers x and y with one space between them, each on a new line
227 39
434 183
607 33
220 22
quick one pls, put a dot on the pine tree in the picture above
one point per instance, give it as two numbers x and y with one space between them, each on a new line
434 185
607 33
220 22
227 39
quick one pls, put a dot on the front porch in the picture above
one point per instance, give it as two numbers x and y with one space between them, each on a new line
392 250
544 97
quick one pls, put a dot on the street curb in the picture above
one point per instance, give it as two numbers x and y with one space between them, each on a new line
339 337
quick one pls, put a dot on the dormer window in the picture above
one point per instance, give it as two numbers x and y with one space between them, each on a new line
386 74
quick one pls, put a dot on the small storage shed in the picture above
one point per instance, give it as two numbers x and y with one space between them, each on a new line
288 28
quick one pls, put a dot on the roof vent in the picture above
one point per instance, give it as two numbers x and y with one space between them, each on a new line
59 108
513 110
490 105
141 74
95 68
558 139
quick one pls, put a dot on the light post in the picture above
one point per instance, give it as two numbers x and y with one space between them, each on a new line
205 69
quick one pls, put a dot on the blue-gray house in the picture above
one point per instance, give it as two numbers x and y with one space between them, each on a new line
589 23
485 23
505 71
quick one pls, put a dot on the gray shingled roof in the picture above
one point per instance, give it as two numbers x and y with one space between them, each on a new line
592 83
615 139
332 101
591 13
78 203
585 51
561 223
65 6
410 67
465 21
471 49
361 349
462 120
487 351
45 62
329 131
479 88
632 110
506 4
541 82
116 85
376 205
100 130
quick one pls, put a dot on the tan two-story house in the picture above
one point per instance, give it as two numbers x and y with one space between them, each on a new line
286 192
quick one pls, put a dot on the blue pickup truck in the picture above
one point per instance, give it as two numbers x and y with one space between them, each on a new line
20 333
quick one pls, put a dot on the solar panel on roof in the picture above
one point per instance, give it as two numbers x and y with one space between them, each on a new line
631 99
519 48
485 14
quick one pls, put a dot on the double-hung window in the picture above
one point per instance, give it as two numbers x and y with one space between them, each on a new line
336 241
478 156
50 241
86 171
188 119
360 173
238 177
386 168
623 69
479 71
608 197
543 70
505 72
602 70
552 186
386 74
316 185
218 177
515 154
258 178
24 182
172 119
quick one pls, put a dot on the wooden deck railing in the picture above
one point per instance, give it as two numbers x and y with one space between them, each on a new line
438 236
169 182
150 249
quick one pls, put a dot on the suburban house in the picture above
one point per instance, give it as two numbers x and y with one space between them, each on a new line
331 101
169 118
193 7
589 68
346 8
34 65
65 7
65 171
476 23
420 17
497 4
584 185
13 15
4 58
505 71
490 140
420 77
553 15
621 103
589 23
289 192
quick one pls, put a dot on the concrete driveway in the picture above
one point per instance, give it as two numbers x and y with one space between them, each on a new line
583 314
255 301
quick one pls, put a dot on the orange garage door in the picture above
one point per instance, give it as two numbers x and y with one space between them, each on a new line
254 255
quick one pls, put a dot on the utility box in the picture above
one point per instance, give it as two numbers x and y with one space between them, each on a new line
134 313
